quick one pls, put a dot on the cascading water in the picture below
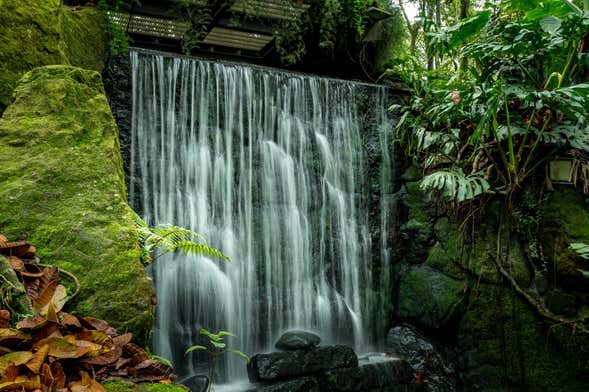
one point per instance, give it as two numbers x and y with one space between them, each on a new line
279 171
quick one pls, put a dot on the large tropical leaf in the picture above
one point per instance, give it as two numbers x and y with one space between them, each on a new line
454 185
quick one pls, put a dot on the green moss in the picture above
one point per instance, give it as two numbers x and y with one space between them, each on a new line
34 34
507 346
430 297
63 189
126 386
418 212
123 386
84 38
566 220
165 388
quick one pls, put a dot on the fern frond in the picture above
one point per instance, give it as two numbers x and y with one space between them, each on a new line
198 249
171 238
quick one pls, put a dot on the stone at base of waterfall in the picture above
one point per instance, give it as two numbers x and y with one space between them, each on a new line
285 365
382 374
196 383
297 340
375 374
306 384
426 358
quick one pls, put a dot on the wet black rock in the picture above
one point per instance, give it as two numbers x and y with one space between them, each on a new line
196 383
374 375
306 384
291 364
297 340
424 357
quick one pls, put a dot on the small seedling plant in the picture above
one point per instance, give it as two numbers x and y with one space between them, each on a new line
217 347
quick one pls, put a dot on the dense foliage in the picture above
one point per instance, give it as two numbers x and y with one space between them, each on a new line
499 95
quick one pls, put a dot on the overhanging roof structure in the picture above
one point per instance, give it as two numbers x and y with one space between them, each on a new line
241 27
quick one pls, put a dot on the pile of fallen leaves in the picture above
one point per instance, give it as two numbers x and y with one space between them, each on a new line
56 351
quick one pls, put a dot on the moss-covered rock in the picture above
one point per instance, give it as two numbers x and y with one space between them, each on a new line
84 38
506 346
566 221
38 33
62 188
430 297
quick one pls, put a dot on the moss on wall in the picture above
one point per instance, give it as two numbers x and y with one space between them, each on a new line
38 33
507 346
84 39
501 341
63 189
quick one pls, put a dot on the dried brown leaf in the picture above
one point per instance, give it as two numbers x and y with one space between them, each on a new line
33 323
34 364
62 348
45 296
151 370
16 263
47 378
99 325
4 319
68 320
12 338
16 358
58 375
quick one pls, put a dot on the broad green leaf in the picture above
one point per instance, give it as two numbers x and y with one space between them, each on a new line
237 352
550 24
584 272
581 248
164 360
556 8
218 344
195 348
465 30
225 333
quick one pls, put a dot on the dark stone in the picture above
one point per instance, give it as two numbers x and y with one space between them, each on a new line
196 383
291 364
561 303
306 384
423 356
297 340
412 174
375 374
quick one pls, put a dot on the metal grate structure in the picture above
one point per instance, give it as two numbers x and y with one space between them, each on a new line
271 9
155 20
220 36
149 25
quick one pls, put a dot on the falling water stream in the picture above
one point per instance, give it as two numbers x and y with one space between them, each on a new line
287 174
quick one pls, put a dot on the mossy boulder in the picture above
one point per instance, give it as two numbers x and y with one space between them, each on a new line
429 297
506 346
417 230
460 257
566 220
37 33
62 188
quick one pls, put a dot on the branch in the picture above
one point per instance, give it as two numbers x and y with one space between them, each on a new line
538 305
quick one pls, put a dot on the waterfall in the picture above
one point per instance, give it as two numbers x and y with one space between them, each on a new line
279 171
